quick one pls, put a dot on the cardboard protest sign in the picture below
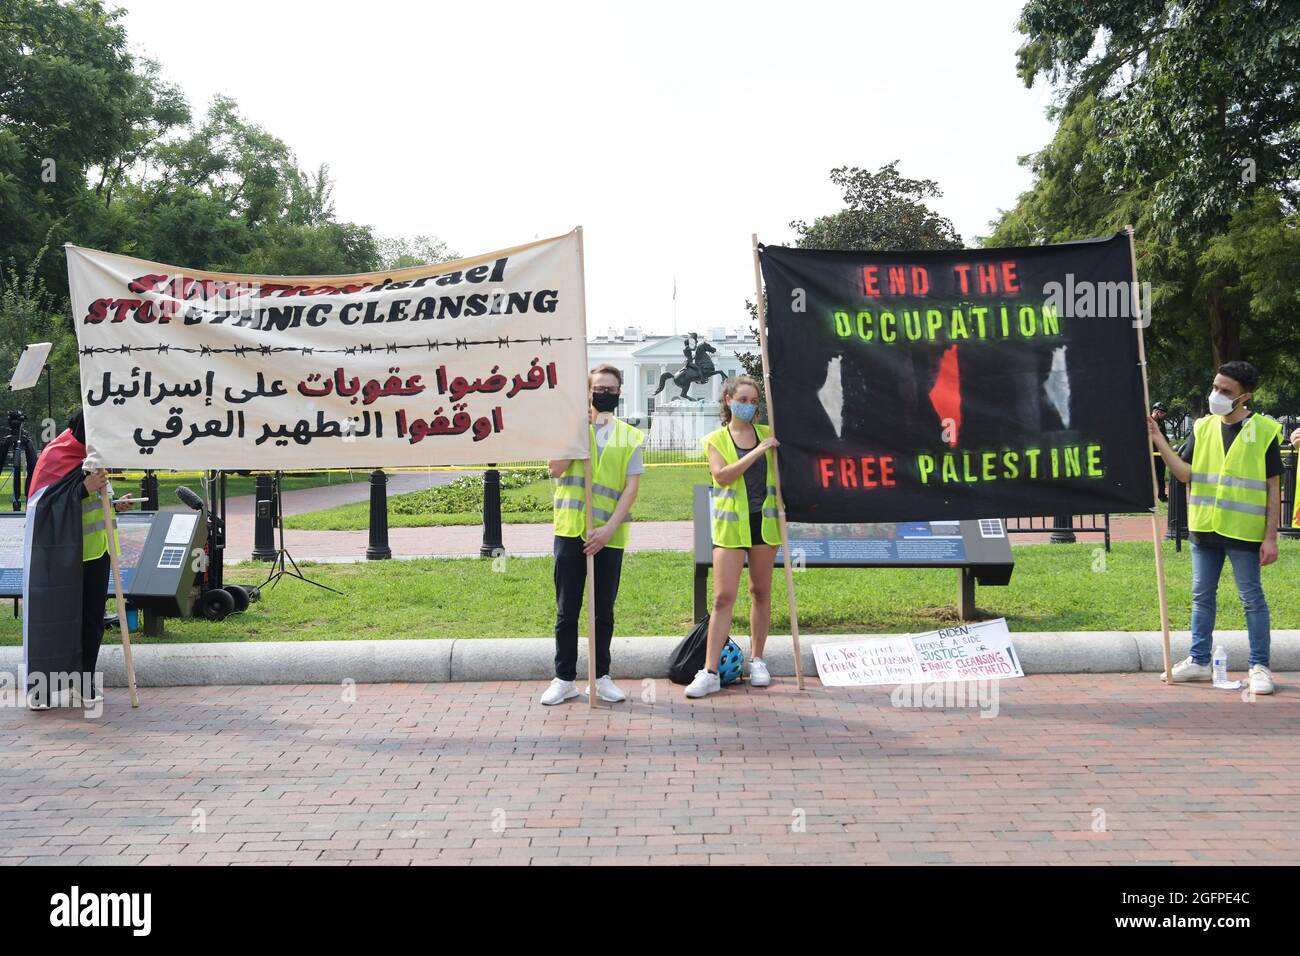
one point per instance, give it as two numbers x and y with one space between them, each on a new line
981 651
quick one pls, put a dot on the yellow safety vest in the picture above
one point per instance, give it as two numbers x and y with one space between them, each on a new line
94 535
1228 493
608 479
730 505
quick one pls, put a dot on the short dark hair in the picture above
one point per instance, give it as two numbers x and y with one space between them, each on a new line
1241 372
605 369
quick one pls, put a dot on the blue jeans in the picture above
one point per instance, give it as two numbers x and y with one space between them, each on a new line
1207 565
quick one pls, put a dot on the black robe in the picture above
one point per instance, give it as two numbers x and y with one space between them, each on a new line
52 580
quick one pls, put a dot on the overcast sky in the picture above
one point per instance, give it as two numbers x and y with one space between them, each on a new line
669 131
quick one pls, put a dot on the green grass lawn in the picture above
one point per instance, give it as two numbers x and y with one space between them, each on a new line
665 495
247 484
1054 587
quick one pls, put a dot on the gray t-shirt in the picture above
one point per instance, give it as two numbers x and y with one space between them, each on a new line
755 478
635 466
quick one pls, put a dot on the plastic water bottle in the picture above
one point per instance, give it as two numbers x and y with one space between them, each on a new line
1220 665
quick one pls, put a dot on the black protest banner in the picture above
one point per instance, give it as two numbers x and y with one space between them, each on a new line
957 384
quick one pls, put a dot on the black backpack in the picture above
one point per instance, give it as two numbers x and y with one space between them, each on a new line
688 656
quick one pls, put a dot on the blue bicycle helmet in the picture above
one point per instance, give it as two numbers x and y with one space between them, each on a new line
731 663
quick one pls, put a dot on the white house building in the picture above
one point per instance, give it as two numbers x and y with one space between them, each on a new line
644 358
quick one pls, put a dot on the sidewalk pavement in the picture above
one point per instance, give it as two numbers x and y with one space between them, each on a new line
1096 769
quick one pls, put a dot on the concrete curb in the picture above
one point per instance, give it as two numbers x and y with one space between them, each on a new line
494 659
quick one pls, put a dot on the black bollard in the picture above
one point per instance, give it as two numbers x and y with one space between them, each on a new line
149 489
1289 459
1064 533
264 548
492 543
378 549
1176 525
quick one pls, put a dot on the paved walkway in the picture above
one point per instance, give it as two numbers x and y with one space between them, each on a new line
1073 769
344 492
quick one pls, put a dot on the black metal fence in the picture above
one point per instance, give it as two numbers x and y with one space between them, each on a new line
1062 528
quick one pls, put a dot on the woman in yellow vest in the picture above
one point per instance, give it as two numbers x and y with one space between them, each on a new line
743 506
1232 462
616 475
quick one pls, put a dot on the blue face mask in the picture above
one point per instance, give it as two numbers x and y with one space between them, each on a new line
742 410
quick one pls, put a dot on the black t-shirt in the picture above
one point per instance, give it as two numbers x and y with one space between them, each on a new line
755 478
1272 467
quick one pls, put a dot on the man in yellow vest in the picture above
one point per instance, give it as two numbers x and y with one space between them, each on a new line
1232 462
616 476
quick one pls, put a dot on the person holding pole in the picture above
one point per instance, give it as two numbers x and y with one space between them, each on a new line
743 506
65 583
616 477
1160 412
1232 462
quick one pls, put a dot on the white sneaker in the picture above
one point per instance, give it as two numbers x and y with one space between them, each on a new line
559 692
606 690
79 699
704 684
59 698
1188 669
758 675
1261 681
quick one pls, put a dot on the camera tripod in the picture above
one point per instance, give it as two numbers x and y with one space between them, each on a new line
283 563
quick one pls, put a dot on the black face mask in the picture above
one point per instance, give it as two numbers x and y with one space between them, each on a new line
604 401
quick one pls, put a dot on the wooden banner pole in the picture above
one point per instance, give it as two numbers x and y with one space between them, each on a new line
590 517
111 527
780 501
1151 453
591 594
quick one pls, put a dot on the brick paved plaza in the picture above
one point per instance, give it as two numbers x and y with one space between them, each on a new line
1073 769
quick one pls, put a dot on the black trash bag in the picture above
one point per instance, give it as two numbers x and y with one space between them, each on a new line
688 656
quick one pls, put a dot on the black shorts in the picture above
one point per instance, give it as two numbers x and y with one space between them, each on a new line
756 527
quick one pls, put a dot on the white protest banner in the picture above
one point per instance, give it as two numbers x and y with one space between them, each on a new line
467 362
980 651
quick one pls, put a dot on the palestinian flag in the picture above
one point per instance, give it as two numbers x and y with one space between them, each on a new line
52 567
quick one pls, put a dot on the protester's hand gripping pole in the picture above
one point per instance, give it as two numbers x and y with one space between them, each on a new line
780 501
110 527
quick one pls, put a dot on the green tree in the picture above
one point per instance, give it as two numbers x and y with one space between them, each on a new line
402 252
1182 118
74 102
883 210
27 316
